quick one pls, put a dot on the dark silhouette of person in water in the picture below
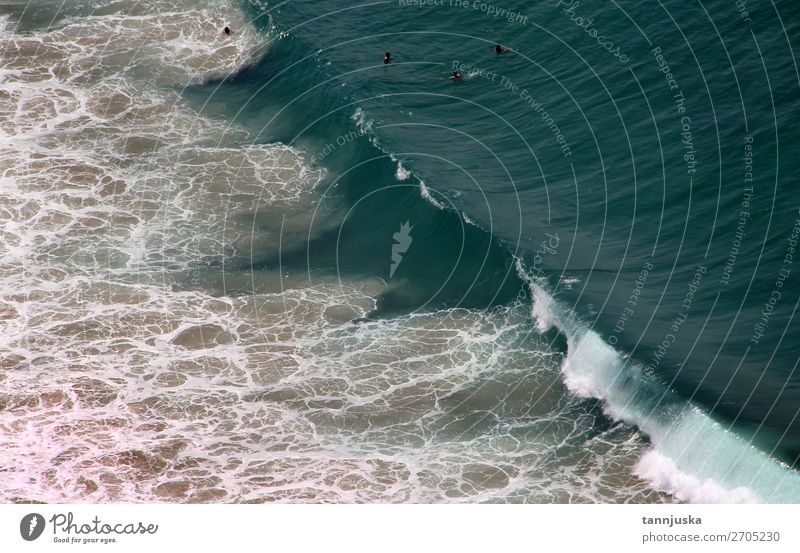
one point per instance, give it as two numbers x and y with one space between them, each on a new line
227 30
499 49
387 58
456 76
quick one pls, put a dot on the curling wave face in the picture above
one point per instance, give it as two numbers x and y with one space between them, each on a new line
693 457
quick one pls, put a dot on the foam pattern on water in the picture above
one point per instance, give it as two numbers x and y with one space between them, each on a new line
121 382
279 398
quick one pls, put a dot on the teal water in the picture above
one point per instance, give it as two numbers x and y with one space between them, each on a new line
646 186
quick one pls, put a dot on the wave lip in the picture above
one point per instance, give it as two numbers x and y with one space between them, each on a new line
693 457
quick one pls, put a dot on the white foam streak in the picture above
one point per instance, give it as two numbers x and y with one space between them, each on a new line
426 194
663 474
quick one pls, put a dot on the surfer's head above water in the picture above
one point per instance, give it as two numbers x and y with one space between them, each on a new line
387 57
499 49
226 30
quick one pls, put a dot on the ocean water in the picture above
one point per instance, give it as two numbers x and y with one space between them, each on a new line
268 267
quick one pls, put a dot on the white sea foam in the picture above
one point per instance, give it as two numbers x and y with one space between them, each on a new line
402 173
663 474
111 189
426 193
569 282
362 122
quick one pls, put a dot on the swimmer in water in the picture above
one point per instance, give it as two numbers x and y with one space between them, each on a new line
499 49
387 58
227 30
456 76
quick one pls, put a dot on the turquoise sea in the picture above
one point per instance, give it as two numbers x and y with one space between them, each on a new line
268 266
